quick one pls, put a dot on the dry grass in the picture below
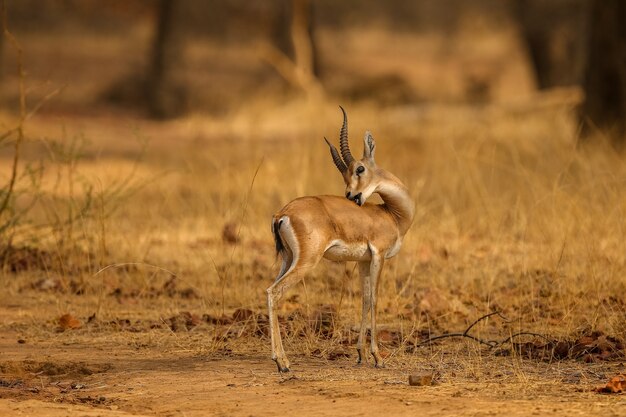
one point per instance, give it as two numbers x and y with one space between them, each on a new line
513 214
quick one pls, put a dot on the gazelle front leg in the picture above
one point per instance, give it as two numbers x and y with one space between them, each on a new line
364 272
376 267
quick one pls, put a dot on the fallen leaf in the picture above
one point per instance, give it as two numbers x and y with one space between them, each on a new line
184 321
389 337
616 385
421 380
67 321
337 354
222 320
229 233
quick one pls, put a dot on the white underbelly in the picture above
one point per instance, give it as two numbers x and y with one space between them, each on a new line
339 250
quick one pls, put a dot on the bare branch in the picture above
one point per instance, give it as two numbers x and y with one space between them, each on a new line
490 343
478 320
510 338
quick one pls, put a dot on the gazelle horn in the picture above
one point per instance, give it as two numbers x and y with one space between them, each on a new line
336 158
343 140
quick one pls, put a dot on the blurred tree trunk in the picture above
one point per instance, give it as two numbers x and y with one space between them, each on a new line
2 23
281 29
555 33
303 36
605 77
166 95
158 88
1 51
294 34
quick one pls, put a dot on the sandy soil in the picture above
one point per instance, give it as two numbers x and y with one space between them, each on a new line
109 378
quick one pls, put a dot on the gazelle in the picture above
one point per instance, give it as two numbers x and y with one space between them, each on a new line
311 228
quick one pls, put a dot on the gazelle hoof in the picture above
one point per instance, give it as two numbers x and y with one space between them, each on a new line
283 365
360 358
378 360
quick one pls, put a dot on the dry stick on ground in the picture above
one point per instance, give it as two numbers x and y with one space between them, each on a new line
491 343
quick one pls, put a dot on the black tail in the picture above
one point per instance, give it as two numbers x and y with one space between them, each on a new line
277 239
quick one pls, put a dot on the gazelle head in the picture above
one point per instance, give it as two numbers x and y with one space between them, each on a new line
361 176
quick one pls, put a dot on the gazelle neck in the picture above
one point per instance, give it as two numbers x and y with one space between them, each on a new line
397 201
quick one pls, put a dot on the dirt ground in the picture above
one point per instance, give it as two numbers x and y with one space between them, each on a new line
73 375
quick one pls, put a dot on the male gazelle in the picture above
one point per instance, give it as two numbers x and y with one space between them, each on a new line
332 227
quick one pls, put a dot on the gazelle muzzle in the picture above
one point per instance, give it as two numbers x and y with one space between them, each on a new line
357 198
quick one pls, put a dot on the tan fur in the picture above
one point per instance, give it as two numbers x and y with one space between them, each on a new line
340 229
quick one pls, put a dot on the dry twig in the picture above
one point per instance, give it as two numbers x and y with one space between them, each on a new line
488 342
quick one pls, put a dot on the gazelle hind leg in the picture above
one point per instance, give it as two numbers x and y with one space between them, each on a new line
273 296
275 292
364 273
287 260
299 265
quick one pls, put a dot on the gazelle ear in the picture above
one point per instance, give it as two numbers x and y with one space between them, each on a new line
369 146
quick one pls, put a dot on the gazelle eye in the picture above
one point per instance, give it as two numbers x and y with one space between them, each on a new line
360 170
